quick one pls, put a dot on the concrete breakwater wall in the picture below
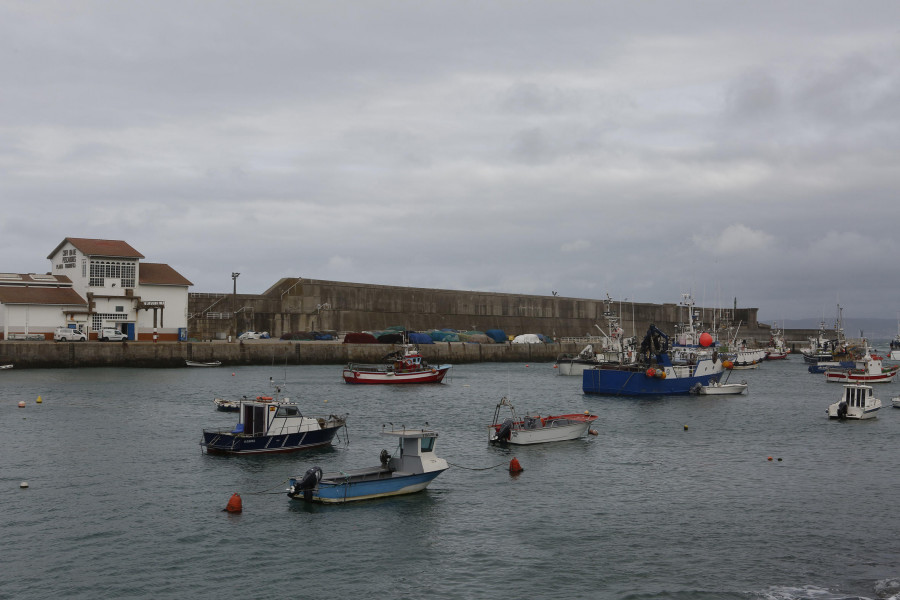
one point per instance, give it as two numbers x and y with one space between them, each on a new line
45 355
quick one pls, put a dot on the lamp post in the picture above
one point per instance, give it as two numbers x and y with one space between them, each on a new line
234 277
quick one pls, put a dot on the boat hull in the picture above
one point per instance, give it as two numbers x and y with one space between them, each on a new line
572 368
726 389
222 442
523 437
860 377
335 491
854 413
631 382
433 375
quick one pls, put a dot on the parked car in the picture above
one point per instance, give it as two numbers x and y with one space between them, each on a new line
108 333
68 334
254 335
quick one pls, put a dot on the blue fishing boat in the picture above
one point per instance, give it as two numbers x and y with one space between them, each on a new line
654 374
270 425
411 470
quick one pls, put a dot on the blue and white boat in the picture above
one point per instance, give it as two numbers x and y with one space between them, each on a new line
411 470
270 425
654 374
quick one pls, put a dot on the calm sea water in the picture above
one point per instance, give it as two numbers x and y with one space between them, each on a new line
675 498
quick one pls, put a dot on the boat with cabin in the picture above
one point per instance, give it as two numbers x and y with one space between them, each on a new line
271 425
411 468
405 365
777 349
612 347
534 429
858 401
869 369
654 373
895 344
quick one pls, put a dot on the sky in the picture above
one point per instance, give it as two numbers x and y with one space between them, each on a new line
744 150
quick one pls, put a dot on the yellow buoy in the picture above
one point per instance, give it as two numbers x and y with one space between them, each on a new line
39 400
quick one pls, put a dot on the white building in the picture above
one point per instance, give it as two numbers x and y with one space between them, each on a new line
95 284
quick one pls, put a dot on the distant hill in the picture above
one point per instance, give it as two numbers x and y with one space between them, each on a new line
871 328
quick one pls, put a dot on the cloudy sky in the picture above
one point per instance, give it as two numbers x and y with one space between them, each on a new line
640 149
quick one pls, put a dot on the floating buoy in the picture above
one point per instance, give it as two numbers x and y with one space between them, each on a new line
554 366
39 400
23 485
526 366
234 504
232 374
770 458
593 432
515 467
21 404
685 427
779 459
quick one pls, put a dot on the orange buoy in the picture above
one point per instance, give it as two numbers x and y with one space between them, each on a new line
514 466
234 504
593 432
727 364
770 458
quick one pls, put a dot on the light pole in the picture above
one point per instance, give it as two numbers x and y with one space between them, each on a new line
234 277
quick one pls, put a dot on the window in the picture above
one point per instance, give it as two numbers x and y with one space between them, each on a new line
101 270
100 320
288 411
428 444
120 309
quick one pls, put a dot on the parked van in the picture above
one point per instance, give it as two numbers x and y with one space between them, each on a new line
108 333
68 334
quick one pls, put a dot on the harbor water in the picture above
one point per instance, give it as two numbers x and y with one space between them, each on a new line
753 496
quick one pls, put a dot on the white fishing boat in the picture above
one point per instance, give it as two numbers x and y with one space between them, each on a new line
895 401
895 344
857 402
534 429
201 363
613 348
869 369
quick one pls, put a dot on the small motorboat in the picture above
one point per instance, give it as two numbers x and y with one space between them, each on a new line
201 363
268 425
228 405
406 365
857 402
534 429
895 401
6 366
411 470
714 388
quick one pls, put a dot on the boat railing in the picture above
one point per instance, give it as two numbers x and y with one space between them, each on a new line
369 368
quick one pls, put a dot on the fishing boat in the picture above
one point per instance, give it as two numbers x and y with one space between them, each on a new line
777 349
406 365
654 374
895 344
411 470
6 366
269 425
716 388
869 369
613 347
534 429
201 363
819 349
857 402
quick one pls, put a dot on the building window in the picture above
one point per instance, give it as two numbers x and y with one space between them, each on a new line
101 270
100 320
83 267
120 309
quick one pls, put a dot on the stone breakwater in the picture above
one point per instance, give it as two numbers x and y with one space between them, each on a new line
46 355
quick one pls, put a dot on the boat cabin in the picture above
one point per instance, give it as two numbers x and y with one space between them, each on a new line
859 396
416 451
264 416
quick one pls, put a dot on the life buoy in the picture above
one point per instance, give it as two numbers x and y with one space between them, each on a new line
264 398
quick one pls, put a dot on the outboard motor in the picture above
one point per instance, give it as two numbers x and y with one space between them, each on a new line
505 431
309 482
842 410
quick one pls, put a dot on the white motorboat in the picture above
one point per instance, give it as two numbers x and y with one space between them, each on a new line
857 402
534 429
714 388
895 401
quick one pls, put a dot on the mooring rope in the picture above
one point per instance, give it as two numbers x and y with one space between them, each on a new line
474 468
268 491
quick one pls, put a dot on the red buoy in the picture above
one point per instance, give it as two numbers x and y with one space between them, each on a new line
234 504
706 340
651 372
515 467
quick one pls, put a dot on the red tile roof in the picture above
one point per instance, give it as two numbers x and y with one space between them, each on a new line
19 279
160 274
40 295
89 247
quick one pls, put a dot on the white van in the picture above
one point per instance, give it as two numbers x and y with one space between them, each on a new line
68 334
108 333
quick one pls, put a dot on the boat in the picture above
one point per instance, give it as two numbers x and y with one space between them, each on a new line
406 365
611 348
411 470
201 363
269 425
654 374
6 366
777 349
228 405
857 402
895 401
869 369
895 344
534 429
715 388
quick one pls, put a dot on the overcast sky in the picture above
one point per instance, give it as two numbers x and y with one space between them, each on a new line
640 149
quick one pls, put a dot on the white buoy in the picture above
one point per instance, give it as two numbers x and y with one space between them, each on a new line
23 485
21 404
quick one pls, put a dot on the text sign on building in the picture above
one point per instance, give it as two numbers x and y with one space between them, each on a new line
68 258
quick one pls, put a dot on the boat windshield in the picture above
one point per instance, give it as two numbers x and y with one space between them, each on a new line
428 444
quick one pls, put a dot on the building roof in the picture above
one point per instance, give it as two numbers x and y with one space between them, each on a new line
109 248
40 295
21 279
160 274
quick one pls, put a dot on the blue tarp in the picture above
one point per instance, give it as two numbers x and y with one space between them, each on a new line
498 335
420 338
